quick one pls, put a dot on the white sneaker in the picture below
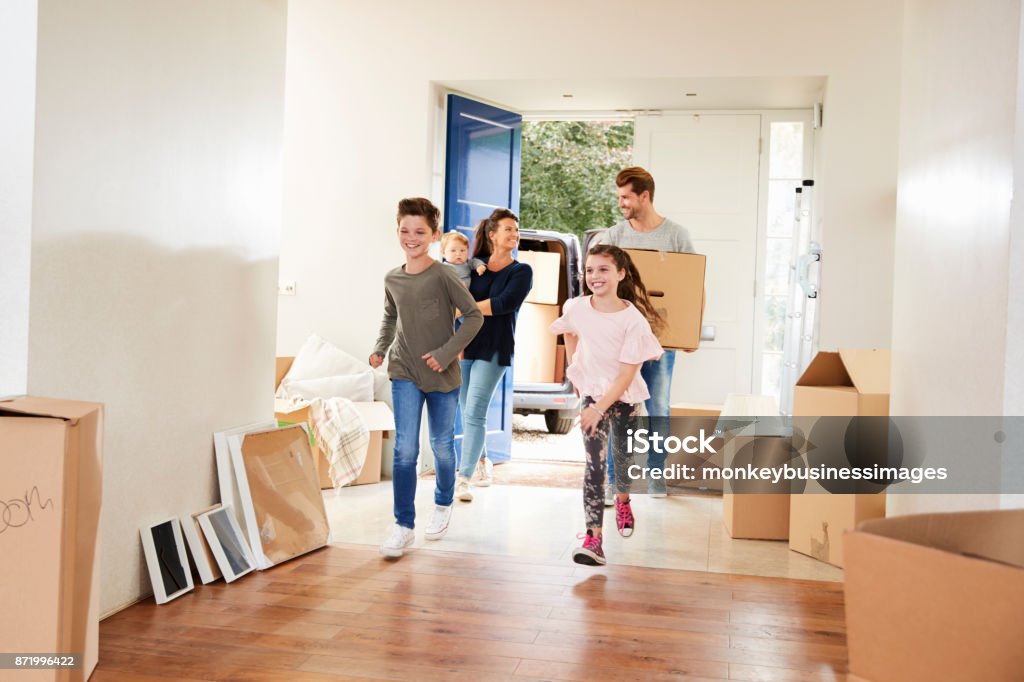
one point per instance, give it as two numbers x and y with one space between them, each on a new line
484 472
462 490
609 495
438 523
400 538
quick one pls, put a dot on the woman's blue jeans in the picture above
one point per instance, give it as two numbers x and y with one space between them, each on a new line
657 374
408 402
479 379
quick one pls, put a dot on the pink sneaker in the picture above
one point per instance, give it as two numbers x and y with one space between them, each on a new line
590 553
624 518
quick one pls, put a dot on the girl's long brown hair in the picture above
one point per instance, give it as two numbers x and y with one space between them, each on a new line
631 288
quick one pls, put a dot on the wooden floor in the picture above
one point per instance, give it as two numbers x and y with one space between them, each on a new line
344 613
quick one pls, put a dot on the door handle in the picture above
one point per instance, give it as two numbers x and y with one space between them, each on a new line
813 255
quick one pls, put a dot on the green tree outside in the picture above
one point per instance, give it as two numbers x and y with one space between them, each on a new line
568 173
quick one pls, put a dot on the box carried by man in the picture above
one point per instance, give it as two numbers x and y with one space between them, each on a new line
675 283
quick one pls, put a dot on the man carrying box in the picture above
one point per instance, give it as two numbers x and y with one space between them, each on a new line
643 228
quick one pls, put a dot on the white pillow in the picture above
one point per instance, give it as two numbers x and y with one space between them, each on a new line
318 359
356 387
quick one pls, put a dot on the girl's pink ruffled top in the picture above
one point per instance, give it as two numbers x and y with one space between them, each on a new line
605 340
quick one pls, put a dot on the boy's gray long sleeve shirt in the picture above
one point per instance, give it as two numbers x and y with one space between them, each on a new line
419 315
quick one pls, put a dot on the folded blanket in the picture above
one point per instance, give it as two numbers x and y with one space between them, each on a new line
342 436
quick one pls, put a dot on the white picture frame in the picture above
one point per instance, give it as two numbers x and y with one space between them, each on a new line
226 472
164 549
254 527
202 556
227 543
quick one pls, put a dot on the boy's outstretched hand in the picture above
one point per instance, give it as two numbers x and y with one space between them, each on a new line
481 269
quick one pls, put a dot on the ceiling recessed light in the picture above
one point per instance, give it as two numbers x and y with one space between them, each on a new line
691 94
567 95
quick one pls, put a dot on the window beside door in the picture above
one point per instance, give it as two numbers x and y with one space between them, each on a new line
786 171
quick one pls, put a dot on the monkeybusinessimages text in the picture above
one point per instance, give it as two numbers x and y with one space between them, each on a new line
644 441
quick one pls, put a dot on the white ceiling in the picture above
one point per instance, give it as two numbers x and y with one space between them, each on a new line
546 95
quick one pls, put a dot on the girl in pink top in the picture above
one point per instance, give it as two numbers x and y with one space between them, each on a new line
607 337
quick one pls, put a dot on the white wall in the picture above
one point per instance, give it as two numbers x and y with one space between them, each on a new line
358 126
155 233
953 351
17 124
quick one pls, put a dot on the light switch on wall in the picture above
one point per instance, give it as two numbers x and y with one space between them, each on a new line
286 288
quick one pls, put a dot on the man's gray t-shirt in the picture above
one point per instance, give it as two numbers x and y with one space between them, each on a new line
669 236
419 314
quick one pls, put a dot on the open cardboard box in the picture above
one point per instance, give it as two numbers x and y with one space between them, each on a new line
936 597
51 459
675 282
847 383
376 415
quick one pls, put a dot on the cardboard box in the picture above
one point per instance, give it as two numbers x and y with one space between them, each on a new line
936 597
844 384
559 363
847 383
817 521
690 419
675 283
372 413
547 273
379 420
534 360
756 510
51 459
696 410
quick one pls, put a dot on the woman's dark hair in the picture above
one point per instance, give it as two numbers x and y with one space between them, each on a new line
631 288
420 207
487 227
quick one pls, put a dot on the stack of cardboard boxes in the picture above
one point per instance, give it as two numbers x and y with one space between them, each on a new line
849 383
540 358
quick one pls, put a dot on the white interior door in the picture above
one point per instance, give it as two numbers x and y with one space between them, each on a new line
705 168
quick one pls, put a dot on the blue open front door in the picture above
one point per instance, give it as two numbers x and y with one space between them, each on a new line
482 174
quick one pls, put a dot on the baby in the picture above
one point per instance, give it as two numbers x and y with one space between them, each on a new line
455 249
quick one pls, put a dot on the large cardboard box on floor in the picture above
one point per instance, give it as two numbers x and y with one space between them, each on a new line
376 416
547 273
689 419
536 346
760 510
51 487
675 283
848 383
936 597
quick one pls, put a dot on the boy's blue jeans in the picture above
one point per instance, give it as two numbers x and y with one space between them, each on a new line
408 401
657 374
